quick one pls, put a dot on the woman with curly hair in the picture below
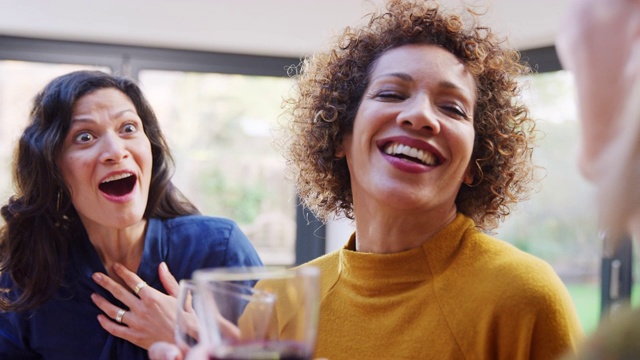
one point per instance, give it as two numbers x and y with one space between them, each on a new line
96 225
412 125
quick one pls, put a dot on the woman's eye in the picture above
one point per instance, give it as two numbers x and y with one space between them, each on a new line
390 95
456 110
83 138
129 128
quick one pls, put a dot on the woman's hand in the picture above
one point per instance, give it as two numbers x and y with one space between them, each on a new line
151 315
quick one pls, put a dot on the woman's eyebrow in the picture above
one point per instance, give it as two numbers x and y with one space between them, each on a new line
121 113
400 75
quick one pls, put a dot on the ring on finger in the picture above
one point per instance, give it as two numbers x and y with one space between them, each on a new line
120 315
139 287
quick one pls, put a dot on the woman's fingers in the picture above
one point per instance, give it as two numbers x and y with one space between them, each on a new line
150 316
133 281
118 291
168 281
114 312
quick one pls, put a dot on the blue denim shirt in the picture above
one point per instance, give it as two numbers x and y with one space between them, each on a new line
66 326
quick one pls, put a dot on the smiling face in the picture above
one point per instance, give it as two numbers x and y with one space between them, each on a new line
106 160
413 133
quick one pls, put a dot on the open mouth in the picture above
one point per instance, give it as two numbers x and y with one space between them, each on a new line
409 153
118 185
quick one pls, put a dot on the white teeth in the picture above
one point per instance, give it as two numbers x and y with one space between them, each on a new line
400 149
116 177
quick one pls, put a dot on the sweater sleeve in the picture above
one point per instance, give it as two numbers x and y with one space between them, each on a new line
502 303
538 320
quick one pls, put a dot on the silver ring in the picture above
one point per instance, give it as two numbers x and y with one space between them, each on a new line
139 287
120 315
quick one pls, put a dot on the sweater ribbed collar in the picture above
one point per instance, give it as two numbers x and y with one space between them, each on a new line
406 267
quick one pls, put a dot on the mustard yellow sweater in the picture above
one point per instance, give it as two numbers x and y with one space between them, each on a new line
461 295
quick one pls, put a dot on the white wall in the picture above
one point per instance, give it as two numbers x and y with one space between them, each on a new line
263 27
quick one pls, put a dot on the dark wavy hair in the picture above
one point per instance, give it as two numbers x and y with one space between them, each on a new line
41 221
330 86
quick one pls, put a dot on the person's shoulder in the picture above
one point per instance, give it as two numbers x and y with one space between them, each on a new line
328 261
329 269
207 237
201 229
199 223
500 255
512 271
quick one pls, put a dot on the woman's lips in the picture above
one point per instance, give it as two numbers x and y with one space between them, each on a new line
410 149
118 185
410 153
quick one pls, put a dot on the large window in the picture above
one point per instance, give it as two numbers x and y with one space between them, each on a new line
220 129
19 83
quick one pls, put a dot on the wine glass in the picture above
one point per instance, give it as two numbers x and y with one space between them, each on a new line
187 326
277 318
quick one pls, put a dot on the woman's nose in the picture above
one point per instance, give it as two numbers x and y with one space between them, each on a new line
113 148
419 114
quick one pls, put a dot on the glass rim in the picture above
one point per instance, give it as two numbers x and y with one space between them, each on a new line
187 283
253 273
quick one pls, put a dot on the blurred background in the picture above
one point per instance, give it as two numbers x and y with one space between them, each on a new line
216 72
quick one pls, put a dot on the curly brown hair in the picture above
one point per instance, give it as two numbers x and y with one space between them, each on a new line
331 84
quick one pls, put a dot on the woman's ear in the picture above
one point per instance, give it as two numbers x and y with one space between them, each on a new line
340 153
469 174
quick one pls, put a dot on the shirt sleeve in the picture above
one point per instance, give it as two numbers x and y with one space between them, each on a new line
13 338
240 251
197 242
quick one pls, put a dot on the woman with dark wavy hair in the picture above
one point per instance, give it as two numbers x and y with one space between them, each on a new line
95 226
413 126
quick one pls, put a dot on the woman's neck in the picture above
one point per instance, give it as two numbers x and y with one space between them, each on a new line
124 246
386 234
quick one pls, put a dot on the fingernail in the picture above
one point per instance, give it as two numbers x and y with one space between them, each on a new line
164 266
97 276
116 266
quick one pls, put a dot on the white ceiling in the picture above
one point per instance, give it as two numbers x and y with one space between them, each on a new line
263 27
